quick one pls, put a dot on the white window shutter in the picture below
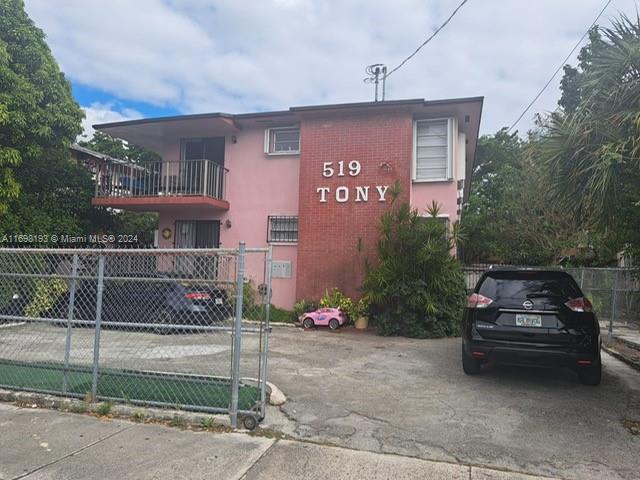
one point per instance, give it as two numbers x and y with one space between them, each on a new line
432 150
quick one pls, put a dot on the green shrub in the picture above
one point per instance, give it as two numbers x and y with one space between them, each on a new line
334 298
304 306
249 295
47 292
281 315
417 288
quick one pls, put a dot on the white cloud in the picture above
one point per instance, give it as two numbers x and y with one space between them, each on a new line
104 113
238 56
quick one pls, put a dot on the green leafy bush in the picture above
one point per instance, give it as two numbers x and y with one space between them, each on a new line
417 288
249 295
281 315
334 298
304 306
47 293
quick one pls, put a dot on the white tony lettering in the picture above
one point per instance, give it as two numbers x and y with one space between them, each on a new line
323 193
362 194
342 194
382 191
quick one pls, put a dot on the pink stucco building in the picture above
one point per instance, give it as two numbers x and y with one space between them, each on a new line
294 179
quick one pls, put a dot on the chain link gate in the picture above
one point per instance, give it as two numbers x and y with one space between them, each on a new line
179 328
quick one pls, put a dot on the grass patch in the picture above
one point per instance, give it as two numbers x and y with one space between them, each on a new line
138 417
207 423
174 389
79 408
178 421
281 315
104 409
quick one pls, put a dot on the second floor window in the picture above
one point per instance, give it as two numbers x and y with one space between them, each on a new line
282 140
283 229
432 152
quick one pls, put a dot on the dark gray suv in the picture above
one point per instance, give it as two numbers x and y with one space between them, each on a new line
531 317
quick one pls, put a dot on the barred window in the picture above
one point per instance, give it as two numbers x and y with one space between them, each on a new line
282 229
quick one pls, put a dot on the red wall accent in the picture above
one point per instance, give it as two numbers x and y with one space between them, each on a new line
328 232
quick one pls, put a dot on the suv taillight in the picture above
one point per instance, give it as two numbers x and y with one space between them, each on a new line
581 304
197 296
478 301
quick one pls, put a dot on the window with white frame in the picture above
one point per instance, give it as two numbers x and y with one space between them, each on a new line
433 150
282 140
282 229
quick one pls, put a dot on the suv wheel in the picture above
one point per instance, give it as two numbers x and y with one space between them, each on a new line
470 365
591 375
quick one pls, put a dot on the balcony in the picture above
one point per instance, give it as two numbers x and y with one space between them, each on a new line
151 186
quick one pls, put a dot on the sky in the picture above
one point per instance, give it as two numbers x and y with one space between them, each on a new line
129 59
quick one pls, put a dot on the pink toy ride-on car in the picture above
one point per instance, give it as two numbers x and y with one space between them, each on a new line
332 317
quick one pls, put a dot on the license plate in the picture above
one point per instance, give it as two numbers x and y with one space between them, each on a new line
218 301
526 320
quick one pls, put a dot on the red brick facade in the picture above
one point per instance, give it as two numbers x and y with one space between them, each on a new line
329 232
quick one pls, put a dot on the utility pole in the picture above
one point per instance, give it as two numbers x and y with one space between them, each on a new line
377 72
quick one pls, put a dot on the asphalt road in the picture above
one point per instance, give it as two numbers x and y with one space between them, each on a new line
411 397
396 395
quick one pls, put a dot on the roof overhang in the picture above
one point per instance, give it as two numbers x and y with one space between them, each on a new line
151 133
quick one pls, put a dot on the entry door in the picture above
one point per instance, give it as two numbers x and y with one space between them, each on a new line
197 234
194 152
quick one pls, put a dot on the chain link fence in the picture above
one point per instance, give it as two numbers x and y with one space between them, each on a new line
179 328
614 292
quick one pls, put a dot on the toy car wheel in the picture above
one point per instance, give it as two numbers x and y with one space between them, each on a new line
308 323
334 324
249 422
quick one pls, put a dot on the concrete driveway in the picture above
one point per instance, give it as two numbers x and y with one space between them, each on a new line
411 397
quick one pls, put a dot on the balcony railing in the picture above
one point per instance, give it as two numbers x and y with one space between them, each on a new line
162 178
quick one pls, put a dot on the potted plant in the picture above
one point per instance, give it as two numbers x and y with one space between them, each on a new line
360 313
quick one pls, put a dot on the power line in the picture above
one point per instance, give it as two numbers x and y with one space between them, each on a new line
428 39
564 62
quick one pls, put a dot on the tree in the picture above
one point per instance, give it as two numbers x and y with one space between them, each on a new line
116 148
124 222
416 288
571 85
592 153
38 116
510 217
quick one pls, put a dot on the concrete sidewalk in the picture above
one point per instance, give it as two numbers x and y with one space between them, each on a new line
46 444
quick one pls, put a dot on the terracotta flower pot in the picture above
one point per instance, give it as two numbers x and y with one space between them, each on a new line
362 323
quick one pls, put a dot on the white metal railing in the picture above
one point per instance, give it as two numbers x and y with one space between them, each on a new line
161 178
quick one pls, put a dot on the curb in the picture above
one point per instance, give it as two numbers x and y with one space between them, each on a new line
621 357
135 413
271 324
628 343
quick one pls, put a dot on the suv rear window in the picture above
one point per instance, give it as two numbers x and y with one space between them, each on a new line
519 284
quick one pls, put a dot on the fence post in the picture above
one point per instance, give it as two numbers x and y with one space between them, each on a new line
267 331
67 343
237 337
614 296
96 341
581 278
